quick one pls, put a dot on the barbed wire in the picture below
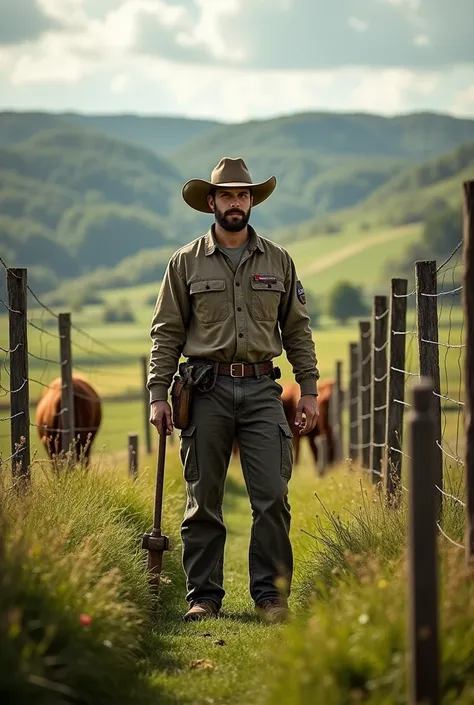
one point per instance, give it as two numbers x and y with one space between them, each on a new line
98 355
450 453
74 326
452 541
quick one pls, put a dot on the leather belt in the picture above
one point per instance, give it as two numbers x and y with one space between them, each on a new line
241 369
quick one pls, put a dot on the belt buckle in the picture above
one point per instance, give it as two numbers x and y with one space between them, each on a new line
236 364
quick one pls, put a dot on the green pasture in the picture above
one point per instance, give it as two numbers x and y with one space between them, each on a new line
358 256
75 553
116 370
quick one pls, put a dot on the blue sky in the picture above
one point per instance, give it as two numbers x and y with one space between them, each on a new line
235 60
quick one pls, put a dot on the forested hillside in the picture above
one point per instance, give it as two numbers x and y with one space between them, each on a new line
411 196
80 194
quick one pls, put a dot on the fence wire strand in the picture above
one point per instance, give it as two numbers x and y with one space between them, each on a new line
94 356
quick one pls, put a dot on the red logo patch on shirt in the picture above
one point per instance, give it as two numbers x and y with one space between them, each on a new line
265 278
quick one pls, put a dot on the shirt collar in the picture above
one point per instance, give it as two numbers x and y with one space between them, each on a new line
255 242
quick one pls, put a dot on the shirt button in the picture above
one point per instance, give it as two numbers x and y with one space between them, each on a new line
239 308
207 286
241 335
237 283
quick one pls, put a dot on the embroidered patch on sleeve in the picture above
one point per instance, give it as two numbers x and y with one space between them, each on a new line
300 292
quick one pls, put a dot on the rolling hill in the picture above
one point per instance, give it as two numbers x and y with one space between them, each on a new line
409 197
157 134
81 194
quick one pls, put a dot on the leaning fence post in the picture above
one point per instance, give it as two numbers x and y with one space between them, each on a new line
468 303
19 389
67 421
146 404
133 455
423 652
353 401
395 390
379 381
365 355
428 353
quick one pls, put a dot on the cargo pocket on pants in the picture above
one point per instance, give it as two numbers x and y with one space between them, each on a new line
286 438
188 453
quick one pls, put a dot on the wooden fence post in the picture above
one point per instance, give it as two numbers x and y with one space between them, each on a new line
428 353
365 356
379 388
322 446
133 455
335 412
67 421
468 303
146 404
395 390
339 408
353 450
423 652
19 388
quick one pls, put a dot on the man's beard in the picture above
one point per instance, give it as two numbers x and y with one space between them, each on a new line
232 225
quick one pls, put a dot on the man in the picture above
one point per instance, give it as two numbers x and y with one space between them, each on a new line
229 302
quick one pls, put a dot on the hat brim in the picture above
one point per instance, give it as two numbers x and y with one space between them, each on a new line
196 191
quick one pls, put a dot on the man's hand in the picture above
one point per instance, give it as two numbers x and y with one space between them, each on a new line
160 417
307 406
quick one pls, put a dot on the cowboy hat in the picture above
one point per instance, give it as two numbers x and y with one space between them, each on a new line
229 173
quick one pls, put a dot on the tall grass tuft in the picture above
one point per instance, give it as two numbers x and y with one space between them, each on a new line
74 597
350 646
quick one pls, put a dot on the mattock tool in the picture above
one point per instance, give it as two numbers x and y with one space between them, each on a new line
155 542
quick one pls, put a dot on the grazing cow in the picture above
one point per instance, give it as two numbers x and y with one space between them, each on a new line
290 397
87 417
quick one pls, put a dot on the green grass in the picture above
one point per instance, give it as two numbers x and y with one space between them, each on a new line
73 549
355 255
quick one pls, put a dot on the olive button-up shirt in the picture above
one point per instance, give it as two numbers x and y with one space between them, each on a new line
206 310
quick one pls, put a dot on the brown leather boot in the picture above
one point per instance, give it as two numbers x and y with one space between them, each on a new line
201 610
273 611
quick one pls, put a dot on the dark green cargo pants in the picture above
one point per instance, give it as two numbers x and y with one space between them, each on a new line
250 410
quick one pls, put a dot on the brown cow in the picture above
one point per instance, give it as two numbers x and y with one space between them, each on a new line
290 397
87 417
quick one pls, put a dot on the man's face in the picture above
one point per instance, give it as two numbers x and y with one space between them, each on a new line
232 208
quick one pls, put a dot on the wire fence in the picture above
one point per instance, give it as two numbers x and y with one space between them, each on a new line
412 334
39 362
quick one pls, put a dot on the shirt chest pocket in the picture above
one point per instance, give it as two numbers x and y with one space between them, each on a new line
265 298
209 300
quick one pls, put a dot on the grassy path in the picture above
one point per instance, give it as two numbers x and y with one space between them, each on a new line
234 652
359 245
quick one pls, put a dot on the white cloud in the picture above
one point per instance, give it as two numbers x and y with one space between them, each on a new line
463 103
358 24
236 59
387 91
235 95
409 4
206 33
119 83
52 64
422 40
69 13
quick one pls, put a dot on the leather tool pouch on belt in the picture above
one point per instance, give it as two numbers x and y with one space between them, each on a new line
180 402
188 377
